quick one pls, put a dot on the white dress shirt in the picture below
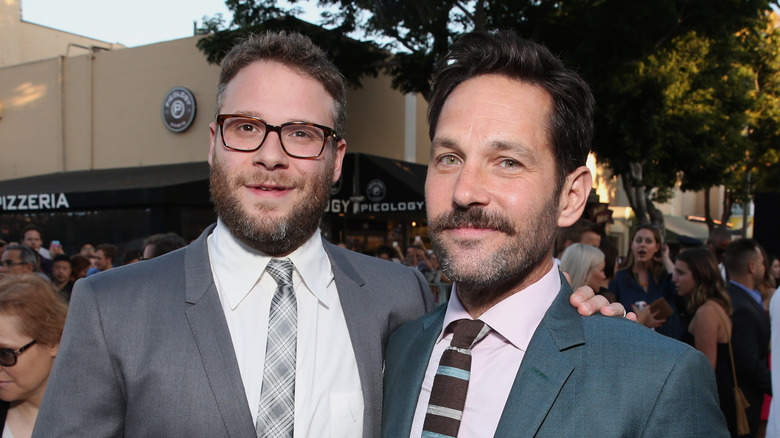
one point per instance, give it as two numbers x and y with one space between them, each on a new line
496 359
328 397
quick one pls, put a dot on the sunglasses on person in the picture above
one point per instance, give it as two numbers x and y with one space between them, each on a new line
9 356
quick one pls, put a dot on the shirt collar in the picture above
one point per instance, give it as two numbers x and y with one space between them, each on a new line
756 295
239 267
517 316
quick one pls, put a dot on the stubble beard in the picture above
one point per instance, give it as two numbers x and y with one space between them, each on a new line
486 277
276 237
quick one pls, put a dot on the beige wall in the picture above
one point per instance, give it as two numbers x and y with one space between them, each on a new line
376 123
111 112
30 140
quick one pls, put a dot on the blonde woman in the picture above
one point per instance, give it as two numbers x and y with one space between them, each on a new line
585 265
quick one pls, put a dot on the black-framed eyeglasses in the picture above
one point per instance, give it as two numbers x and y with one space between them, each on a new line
9 356
298 139
9 263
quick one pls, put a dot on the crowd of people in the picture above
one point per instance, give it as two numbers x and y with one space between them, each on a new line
260 327
713 295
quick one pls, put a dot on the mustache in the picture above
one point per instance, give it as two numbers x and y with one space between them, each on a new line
475 217
259 178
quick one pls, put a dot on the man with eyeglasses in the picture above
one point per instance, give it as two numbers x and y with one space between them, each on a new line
260 327
18 260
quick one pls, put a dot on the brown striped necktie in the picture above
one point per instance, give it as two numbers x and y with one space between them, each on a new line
451 383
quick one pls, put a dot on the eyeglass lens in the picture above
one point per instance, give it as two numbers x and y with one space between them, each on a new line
298 139
9 356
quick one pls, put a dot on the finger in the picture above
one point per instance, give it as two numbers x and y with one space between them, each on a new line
581 295
631 316
614 309
592 305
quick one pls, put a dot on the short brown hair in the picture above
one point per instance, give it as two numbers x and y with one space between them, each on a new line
40 309
295 51
109 250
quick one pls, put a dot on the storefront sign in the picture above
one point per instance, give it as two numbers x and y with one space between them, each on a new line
346 206
34 201
178 109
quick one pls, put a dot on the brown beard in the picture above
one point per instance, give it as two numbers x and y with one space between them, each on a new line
501 272
271 236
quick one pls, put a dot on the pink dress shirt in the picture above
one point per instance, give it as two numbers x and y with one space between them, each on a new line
496 359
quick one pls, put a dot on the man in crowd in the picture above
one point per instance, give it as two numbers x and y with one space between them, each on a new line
717 242
17 260
104 258
583 231
31 237
159 244
259 326
61 271
750 330
511 130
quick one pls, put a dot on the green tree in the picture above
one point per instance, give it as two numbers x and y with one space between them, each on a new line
685 88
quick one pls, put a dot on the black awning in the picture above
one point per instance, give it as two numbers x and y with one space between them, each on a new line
175 184
369 185
375 185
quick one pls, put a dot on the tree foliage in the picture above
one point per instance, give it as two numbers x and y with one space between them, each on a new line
687 90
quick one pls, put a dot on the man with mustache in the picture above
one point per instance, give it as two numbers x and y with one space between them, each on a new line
508 356
259 327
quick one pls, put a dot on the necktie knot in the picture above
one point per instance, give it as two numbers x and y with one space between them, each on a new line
281 271
468 332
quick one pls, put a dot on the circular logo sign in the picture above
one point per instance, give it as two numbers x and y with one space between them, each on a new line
178 109
376 190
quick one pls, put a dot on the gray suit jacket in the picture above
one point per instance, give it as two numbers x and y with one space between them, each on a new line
146 350
581 377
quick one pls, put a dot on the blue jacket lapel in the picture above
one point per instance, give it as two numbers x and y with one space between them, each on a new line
547 365
409 354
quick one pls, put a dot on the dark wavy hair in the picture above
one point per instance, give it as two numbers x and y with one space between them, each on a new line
570 126
709 283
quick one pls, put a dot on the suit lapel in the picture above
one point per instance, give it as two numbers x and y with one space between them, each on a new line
207 321
408 380
546 366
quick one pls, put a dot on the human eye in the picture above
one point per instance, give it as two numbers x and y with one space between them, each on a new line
243 126
448 160
304 133
509 163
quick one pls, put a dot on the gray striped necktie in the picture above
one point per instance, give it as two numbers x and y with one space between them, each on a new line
275 416
451 383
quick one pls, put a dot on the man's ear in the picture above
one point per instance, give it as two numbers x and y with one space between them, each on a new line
338 159
574 196
212 136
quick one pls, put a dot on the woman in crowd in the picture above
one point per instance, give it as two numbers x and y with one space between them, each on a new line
81 265
585 265
32 315
697 277
774 268
643 280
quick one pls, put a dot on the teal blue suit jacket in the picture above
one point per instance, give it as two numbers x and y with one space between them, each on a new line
581 377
